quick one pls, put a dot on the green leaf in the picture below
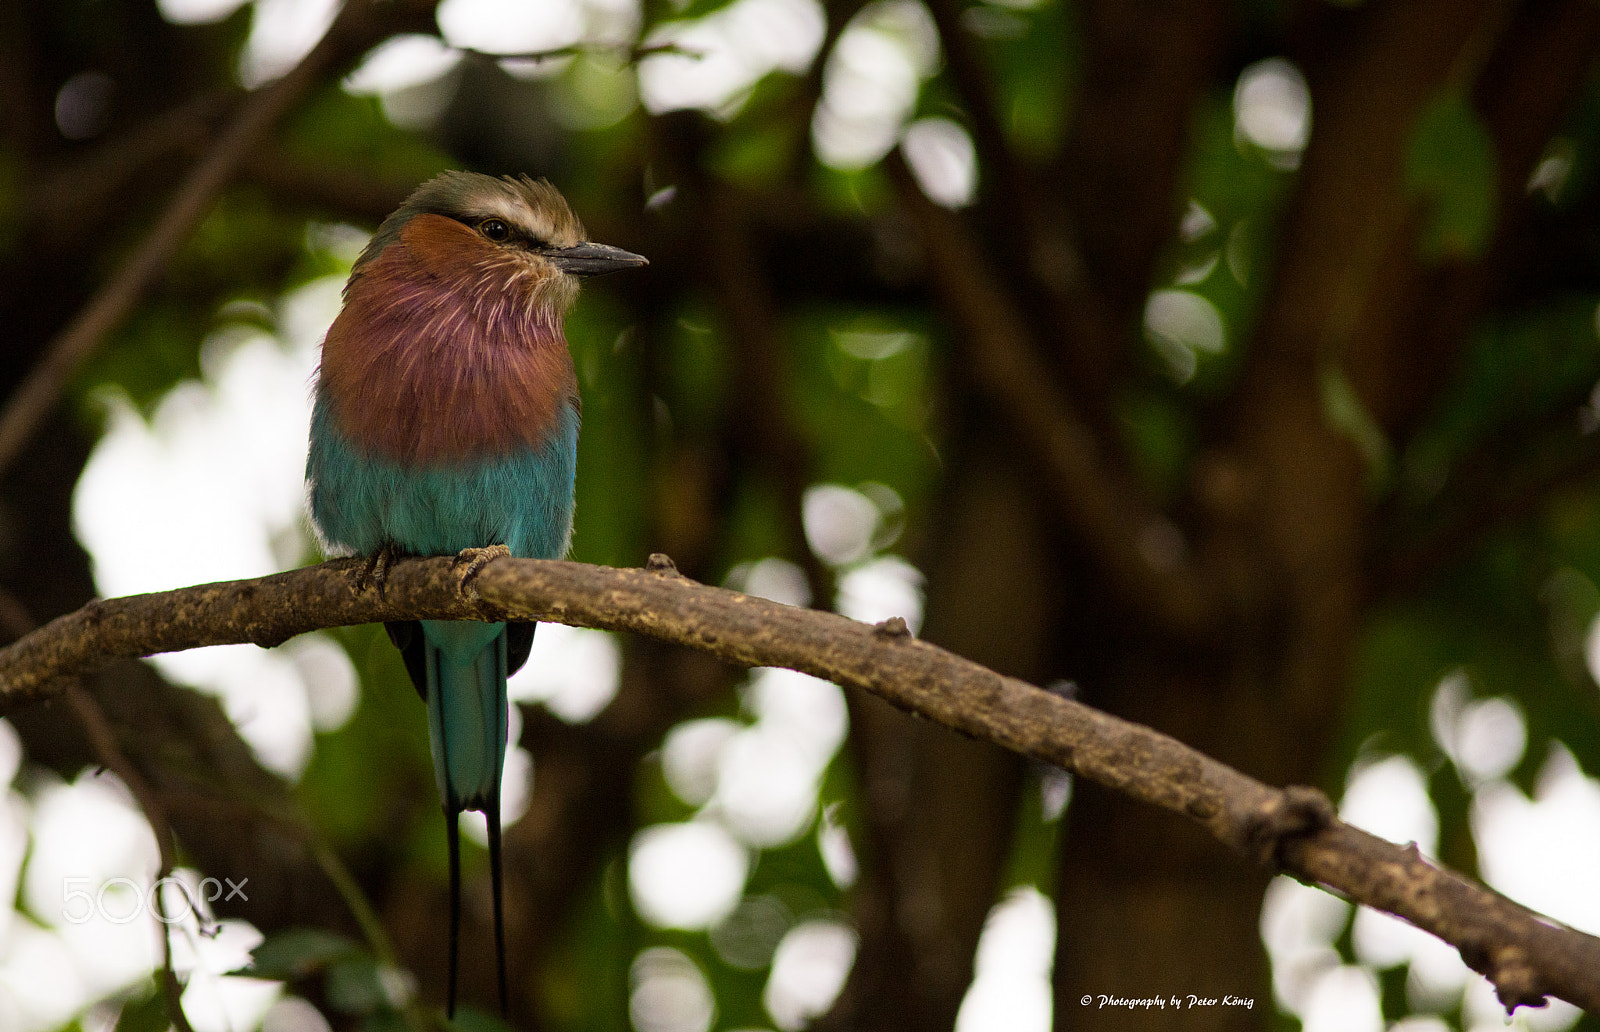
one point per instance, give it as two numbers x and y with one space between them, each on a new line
297 952
385 1021
1160 441
471 1019
147 1013
355 986
1450 165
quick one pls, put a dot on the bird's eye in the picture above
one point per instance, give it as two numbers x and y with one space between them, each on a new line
495 229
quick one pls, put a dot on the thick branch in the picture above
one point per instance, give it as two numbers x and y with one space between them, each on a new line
1129 537
1525 955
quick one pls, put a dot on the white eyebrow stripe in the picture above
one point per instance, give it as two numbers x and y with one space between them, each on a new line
515 212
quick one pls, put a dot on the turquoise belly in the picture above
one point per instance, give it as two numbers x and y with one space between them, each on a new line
522 500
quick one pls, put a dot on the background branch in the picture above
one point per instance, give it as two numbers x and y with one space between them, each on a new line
15 622
358 26
1526 956
1136 544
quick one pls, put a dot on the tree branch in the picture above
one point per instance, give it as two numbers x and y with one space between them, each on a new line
1096 496
1073 317
1525 955
359 24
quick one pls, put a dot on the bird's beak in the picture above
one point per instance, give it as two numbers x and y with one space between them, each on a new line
588 259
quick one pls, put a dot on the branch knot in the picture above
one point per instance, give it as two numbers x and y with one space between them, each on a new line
894 629
1511 970
1295 811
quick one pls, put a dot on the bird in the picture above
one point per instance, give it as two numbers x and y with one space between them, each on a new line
445 421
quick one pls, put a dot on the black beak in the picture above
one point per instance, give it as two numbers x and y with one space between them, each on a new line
588 259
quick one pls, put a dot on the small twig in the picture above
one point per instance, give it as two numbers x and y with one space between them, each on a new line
354 898
361 909
1525 955
104 741
356 27
15 622
803 102
1014 194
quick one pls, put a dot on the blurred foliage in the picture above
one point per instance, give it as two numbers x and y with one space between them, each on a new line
1451 166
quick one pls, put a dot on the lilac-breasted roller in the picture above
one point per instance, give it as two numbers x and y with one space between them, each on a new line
446 422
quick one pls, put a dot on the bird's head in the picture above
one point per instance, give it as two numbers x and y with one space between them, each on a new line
496 237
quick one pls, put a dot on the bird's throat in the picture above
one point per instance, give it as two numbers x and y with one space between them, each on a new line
430 369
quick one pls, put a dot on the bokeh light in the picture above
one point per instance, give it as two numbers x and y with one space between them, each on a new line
401 62
281 33
1484 738
1181 326
1343 999
942 158
573 671
510 26
1436 974
839 523
777 580
747 938
194 12
1272 110
1299 925
882 588
1420 1023
669 993
871 82
722 55
838 854
1011 989
1389 798
688 875
83 104
766 786
87 880
211 488
1543 851
293 1014
213 1000
690 757
808 970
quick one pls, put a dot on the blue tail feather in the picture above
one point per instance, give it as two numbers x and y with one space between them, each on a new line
465 667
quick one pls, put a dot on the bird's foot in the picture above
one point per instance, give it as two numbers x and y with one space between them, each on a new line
475 559
375 574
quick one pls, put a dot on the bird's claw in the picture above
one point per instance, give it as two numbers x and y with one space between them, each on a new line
375 574
475 559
